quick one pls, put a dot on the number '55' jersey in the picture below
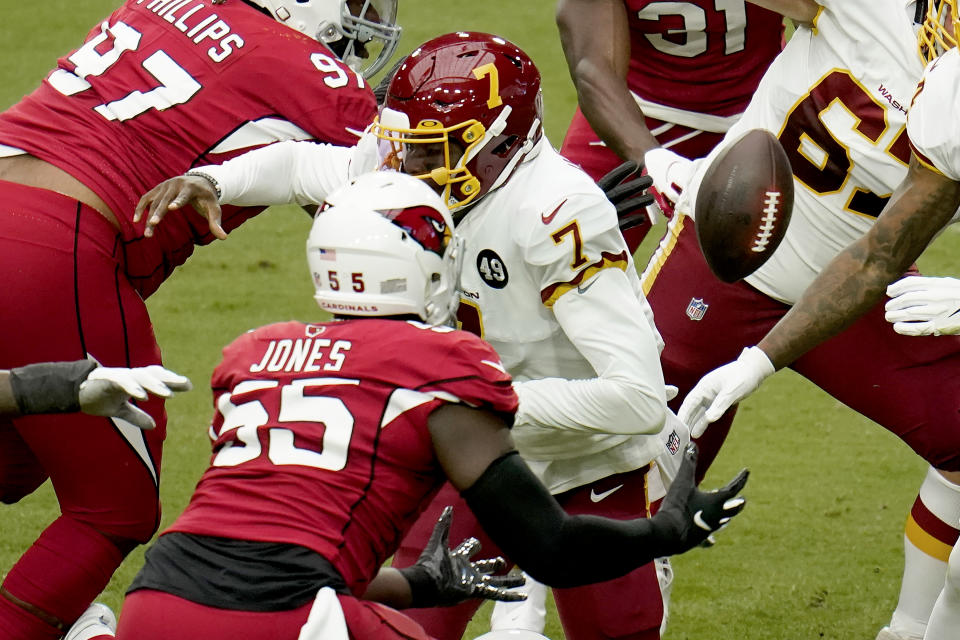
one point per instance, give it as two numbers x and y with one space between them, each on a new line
320 434
837 99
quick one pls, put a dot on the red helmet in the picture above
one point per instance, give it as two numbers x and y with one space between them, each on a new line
475 90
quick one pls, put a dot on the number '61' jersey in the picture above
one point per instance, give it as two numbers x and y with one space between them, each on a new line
320 434
163 86
837 99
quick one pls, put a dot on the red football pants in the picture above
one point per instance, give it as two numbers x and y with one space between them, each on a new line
65 297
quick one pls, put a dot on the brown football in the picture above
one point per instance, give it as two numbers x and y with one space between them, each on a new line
743 206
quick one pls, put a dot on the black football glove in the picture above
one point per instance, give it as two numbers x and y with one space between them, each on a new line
688 515
443 578
628 194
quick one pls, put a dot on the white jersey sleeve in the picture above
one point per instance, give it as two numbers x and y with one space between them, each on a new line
932 125
292 172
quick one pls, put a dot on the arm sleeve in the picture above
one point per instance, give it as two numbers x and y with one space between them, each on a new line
558 549
282 173
606 321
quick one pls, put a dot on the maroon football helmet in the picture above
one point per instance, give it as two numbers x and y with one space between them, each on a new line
473 100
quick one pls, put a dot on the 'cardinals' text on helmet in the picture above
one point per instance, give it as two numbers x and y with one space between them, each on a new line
463 109
940 27
363 33
384 246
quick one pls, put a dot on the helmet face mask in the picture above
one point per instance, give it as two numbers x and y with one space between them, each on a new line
362 33
939 30
476 95
384 246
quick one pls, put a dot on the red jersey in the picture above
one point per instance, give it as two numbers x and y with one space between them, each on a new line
164 85
705 56
320 434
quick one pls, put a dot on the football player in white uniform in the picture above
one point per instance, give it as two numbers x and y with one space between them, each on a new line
847 139
547 280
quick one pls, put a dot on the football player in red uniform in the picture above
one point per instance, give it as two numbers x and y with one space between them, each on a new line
158 87
330 439
662 78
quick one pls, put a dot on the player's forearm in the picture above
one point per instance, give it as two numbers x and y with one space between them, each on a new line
560 550
292 172
857 278
606 321
598 66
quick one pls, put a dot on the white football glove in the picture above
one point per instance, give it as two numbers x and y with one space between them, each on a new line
670 172
922 306
107 391
724 387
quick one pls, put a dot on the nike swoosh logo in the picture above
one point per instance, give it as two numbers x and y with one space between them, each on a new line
548 219
583 289
597 497
699 521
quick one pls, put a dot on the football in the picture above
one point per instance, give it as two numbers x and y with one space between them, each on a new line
743 206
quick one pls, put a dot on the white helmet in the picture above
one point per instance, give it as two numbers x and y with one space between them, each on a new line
382 246
363 33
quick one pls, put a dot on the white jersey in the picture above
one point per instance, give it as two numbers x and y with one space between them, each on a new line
549 282
837 99
933 125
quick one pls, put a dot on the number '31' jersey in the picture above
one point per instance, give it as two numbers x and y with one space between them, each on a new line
837 99
932 125
700 55
320 434
160 87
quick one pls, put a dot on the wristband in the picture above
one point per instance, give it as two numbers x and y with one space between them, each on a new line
49 387
209 178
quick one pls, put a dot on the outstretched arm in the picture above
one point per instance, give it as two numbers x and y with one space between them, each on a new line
596 43
516 510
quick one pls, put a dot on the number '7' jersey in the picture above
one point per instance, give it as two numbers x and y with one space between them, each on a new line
837 99
162 86
320 434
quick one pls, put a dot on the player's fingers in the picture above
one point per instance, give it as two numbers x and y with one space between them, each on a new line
914 328
489 592
215 228
509 581
903 285
136 416
467 548
734 487
174 381
441 531
490 565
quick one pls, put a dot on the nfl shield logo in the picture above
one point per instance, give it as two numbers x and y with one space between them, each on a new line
696 309
673 443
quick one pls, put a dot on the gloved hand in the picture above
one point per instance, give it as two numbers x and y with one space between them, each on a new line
442 577
670 172
724 387
688 515
923 306
627 193
107 391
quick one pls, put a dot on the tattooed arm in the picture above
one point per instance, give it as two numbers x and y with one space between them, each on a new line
856 279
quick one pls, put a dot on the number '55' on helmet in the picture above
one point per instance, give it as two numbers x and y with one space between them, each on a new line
363 33
470 92
384 246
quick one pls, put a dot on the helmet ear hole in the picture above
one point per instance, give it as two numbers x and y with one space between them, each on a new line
505 146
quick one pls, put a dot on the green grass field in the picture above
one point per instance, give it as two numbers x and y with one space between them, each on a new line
817 553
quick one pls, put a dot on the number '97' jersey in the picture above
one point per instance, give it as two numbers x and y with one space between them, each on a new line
837 99
162 86
320 434
932 125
